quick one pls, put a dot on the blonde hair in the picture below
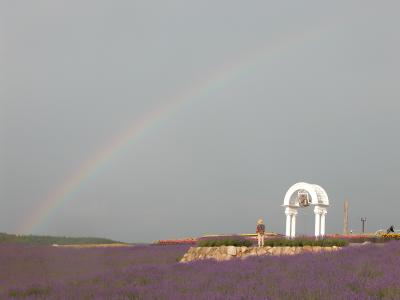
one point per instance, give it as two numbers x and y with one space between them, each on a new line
260 221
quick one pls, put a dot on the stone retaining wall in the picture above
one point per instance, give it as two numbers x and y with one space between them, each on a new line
229 252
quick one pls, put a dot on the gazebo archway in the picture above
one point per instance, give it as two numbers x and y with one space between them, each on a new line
301 195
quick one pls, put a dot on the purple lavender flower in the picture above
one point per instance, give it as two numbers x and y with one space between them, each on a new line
153 272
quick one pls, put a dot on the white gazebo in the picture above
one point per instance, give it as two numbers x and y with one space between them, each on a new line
302 195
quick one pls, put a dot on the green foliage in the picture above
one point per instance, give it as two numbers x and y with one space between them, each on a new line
34 291
372 239
305 242
276 242
50 240
224 242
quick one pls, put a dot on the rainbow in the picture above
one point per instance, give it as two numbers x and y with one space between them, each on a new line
89 168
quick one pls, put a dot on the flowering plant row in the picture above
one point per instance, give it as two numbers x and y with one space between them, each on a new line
152 273
395 236
349 236
360 238
189 241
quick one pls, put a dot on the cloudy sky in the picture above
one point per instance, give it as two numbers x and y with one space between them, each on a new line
245 99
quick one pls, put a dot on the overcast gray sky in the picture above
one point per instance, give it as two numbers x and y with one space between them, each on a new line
311 94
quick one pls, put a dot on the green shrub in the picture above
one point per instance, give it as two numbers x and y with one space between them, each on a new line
34 291
224 242
372 239
306 242
279 242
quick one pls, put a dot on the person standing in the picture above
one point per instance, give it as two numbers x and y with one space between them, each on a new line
260 230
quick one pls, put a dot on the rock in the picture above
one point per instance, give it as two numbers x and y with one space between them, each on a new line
292 251
252 252
285 251
278 250
307 249
187 257
244 249
317 249
222 257
207 250
218 256
298 250
262 251
270 250
231 250
223 249
213 250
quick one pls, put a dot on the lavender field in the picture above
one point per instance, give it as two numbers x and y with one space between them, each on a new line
152 272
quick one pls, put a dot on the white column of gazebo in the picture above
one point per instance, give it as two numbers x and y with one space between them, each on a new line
318 199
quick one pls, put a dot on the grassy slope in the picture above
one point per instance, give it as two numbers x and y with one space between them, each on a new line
50 240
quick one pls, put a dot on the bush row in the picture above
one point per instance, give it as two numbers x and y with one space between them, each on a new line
368 238
327 242
391 236
281 242
176 242
224 242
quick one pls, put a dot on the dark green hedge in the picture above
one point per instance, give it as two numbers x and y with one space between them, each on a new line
306 242
281 242
224 242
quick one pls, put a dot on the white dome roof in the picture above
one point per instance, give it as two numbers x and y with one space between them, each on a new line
316 192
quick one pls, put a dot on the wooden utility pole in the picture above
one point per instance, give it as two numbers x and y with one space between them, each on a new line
346 218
